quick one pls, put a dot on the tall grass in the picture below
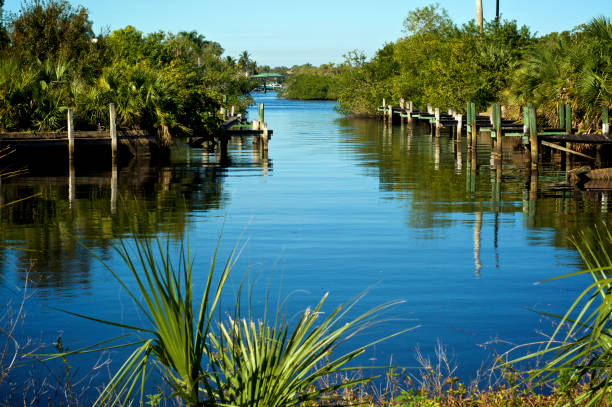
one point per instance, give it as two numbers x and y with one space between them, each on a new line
209 362
580 359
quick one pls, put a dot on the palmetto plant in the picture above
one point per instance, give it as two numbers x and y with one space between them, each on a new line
583 355
272 363
207 362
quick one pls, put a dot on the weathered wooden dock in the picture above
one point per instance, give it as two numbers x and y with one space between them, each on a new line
499 128
36 147
234 125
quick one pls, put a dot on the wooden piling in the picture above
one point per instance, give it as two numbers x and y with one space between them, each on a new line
526 120
114 182
113 129
409 112
255 125
605 123
233 110
568 119
70 134
390 112
561 109
459 125
264 137
496 114
533 136
437 117
71 184
260 112
474 128
429 108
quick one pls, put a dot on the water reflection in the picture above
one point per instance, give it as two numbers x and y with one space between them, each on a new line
98 206
443 175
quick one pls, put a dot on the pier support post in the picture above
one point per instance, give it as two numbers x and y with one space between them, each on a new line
71 184
459 125
113 130
533 136
561 109
255 125
409 113
429 108
114 182
70 134
233 111
474 132
605 123
264 137
390 112
260 112
496 115
401 103
437 116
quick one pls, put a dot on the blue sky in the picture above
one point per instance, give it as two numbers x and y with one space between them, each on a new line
317 31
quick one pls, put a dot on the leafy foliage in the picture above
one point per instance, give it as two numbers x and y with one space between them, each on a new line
164 82
582 357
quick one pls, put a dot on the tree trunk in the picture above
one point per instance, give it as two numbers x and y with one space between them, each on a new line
479 14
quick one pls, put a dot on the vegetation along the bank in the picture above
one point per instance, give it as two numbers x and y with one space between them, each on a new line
446 65
172 84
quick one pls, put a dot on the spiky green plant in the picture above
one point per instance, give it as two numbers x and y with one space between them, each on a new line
250 363
583 355
273 363
175 337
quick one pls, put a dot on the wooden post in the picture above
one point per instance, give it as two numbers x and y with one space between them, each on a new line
261 113
390 108
459 125
568 119
496 113
526 120
474 128
561 108
437 116
468 117
114 179
71 184
409 112
605 123
264 136
255 125
533 136
401 103
113 130
233 110
384 103
429 108
70 134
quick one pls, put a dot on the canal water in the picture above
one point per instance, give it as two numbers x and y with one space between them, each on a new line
337 206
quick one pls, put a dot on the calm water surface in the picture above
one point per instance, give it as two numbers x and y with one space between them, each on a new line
338 206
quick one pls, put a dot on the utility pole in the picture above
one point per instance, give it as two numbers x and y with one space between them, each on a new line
479 14
497 11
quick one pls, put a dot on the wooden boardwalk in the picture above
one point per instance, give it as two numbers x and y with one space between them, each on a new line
125 143
531 136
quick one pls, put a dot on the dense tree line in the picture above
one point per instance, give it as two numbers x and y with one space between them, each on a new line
446 65
51 59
